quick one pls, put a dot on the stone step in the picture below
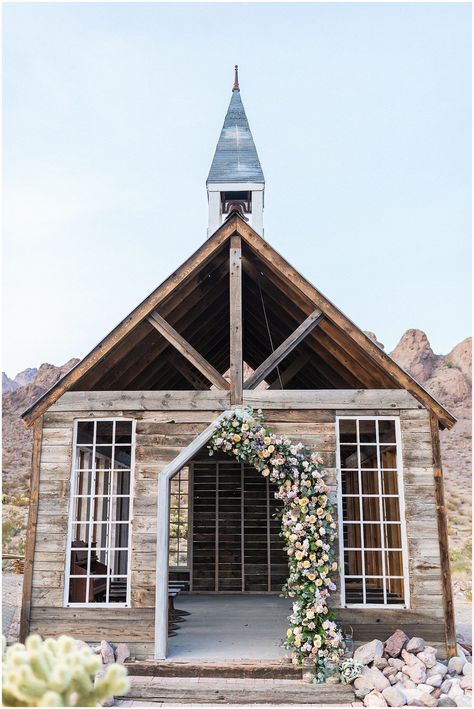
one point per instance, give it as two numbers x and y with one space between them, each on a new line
203 690
243 669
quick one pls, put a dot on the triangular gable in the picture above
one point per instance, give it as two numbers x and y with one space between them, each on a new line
296 285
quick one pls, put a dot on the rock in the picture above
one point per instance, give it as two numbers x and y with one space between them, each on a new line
368 652
438 669
107 652
394 697
435 680
428 700
425 688
446 686
122 653
406 681
388 671
374 675
417 673
333 679
392 679
360 693
437 693
427 658
412 660
467 669
380 663
395 643
97 649
455 690
395 662
445 701
375 699
460 651
363 683
109 701
466 682
455 665
417 698
415 645
463 700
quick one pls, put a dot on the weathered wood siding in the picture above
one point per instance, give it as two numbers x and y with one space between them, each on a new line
161 435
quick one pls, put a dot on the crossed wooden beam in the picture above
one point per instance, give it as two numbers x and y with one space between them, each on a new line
236 384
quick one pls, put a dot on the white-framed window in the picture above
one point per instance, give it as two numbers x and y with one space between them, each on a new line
99 535
372 533
179 520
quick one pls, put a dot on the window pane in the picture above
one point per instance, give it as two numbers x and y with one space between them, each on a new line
373 563
117 590
123 457
347 431
352 563
387 432
351 508
395 591
372 536
350 482
370 508
352 536
367 431
393 563
354 592
104 432
388 456
391 509
123 432
370 482
84 457
389 482
374 591
368 457
393 536
178 525
349 457
85 432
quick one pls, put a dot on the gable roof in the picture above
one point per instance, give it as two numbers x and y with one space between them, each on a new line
235 159
387 373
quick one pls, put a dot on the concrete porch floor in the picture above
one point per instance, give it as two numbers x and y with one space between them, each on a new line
230 627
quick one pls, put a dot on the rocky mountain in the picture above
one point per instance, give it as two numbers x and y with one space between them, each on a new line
447 377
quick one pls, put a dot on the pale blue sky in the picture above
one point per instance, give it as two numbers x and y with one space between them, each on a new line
361 117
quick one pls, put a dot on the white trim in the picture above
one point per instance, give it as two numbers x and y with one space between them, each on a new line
402 522
72 522
162 533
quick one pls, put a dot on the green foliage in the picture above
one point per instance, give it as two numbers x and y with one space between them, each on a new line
57 673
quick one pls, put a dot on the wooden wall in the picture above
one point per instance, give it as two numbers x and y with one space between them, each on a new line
160 437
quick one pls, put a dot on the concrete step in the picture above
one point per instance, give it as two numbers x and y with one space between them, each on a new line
208 690
239 669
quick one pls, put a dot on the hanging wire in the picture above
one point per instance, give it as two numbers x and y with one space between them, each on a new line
268 328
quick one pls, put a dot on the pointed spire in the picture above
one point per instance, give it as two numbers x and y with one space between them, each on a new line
236 86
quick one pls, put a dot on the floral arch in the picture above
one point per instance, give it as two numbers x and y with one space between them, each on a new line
307 528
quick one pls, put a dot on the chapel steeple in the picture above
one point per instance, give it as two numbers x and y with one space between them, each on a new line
235 181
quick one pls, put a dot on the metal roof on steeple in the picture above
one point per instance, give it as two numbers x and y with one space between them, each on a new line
236 159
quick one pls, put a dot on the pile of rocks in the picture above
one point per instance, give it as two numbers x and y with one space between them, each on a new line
404 671
109 653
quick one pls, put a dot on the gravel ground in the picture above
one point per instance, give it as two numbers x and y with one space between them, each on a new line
11 600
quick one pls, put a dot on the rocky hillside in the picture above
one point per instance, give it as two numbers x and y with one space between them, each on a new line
448 378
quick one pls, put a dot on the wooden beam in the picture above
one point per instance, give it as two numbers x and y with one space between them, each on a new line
443 538
31 530
187 372
330 399
187 350
278 265
284 349
290 372
209 400
236 353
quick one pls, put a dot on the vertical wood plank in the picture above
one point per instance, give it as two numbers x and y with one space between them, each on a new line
31 531
236 352
443 538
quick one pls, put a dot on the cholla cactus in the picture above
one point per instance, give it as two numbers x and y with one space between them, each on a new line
57 673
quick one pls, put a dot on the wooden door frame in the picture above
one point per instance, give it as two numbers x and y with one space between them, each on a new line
162 533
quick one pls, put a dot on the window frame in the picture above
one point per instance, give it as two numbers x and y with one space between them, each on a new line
403 527
188 567
72 521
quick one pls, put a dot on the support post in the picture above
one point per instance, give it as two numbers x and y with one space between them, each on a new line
31 533
236 351
443 538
